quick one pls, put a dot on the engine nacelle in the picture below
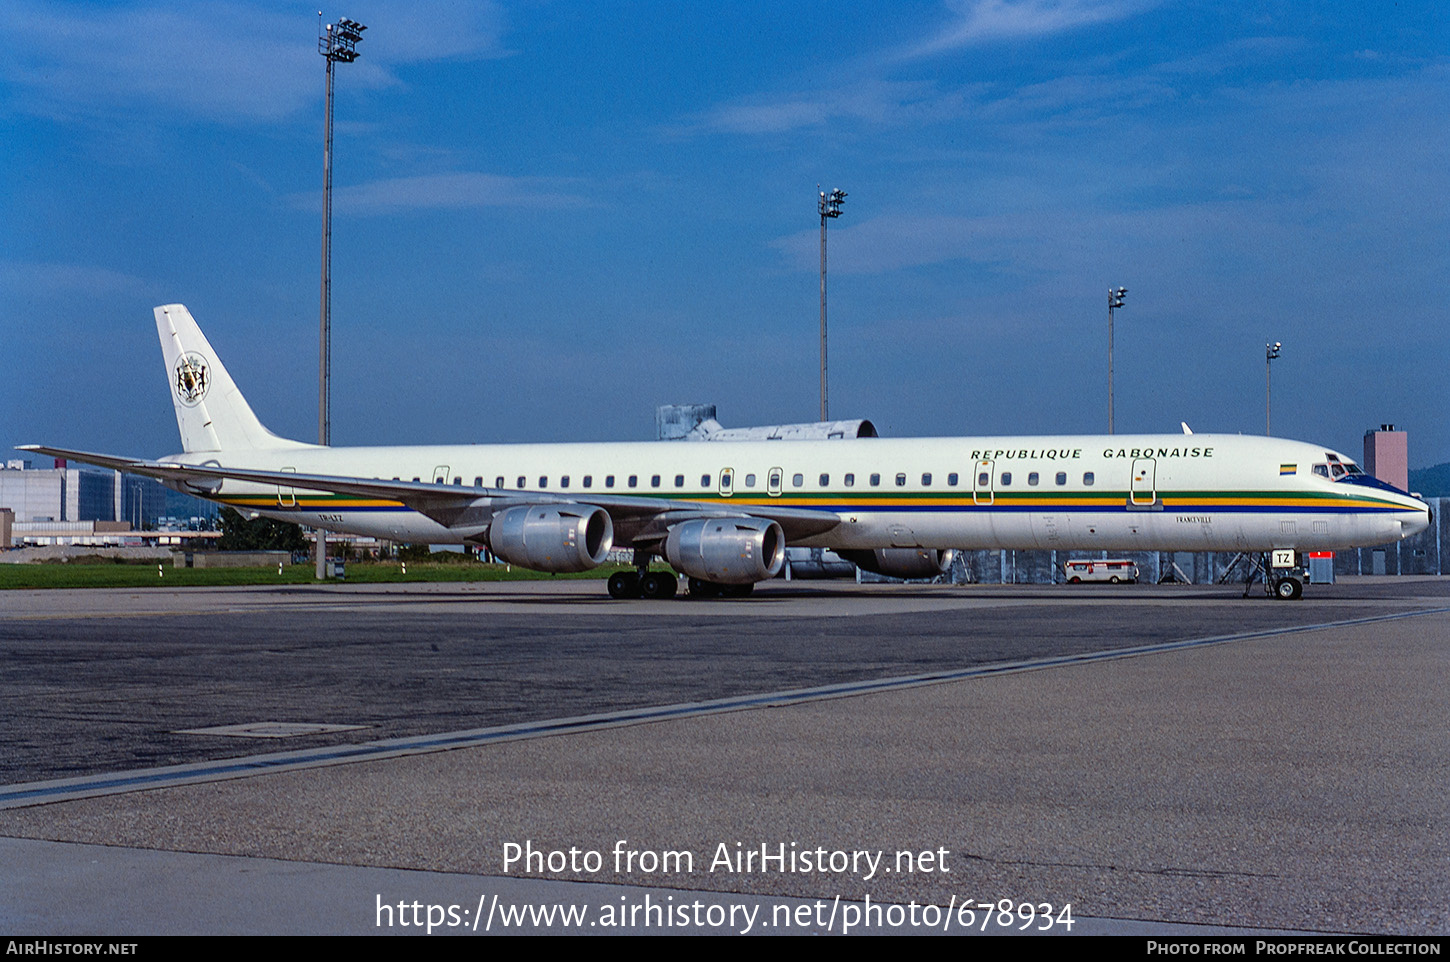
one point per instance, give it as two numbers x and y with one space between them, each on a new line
727 551
908 563
552 537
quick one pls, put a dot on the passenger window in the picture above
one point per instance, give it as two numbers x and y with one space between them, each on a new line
544 481
750 480
1032 478
588 480
564 481
478 482
458 481
850 480
875 480
634 480
609 480
1088 478
825 480
983 479
497 482
952 480
679 480
654 481
523 482
926 480
1061 477
704 480
901 480
1006 478
797 480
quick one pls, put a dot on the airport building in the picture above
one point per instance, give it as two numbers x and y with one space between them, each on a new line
75 505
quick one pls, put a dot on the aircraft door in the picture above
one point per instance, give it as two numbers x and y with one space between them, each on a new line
773 481
727 482
287 497
1144 487
982 490
440 474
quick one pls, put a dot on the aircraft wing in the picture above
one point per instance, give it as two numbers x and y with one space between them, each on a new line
454 506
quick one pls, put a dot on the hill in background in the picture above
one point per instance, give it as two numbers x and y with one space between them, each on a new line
1432 482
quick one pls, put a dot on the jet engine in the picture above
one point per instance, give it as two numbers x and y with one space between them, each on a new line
908 563
552 537
727 551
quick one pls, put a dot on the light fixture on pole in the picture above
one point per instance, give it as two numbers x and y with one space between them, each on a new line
1115 301
1271 354
829 206
337 42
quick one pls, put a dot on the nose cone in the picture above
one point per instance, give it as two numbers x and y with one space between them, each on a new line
1412 524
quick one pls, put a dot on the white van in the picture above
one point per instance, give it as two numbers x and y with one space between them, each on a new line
1114 570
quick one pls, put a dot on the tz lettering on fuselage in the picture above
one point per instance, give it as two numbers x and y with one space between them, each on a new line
722 513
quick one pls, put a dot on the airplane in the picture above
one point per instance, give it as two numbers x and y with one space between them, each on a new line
721 513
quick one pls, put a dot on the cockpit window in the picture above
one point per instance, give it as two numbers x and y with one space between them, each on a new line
1331 455
1353 468
1322 470
1338 470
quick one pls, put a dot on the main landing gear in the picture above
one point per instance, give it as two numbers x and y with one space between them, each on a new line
644 583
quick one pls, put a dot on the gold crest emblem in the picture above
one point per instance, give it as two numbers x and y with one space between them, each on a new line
193 378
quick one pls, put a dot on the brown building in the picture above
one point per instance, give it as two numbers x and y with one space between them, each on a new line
1387 456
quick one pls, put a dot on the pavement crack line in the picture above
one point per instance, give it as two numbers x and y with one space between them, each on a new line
112 783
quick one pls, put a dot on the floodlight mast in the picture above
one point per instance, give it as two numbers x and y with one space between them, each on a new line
1271 354
1116 295
337 42
829 206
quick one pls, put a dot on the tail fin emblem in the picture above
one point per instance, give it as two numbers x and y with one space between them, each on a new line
193 377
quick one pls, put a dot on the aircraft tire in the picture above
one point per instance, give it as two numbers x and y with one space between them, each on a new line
624 584
704 589
1289 589
656 585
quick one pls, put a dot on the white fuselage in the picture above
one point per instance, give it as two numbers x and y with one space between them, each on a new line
1166 492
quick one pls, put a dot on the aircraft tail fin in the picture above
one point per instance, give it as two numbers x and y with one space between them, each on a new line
210 410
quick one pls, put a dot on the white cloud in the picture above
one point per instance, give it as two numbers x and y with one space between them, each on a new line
877 102
44 278
981 21
229 61
450 191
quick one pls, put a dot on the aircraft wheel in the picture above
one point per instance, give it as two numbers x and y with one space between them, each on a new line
657 585
1288 589
624 584
704 589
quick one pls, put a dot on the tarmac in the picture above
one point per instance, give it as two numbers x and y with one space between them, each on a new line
1207 765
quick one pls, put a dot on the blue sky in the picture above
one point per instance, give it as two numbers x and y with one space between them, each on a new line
551 217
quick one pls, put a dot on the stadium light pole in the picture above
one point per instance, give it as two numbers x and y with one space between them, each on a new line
337 43
1271 354
829 206
1115 301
